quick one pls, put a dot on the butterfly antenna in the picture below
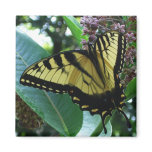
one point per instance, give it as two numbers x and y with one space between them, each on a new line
128 122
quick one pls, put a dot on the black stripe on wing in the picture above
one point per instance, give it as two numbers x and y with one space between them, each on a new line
99 46
121 52
73 60
47 64
107 38
58 60
93 54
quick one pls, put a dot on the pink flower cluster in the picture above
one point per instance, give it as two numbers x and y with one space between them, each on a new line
90 27
117 26
130 37
130 55
95 25
130 73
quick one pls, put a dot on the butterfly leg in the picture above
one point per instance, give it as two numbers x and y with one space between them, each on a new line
103 124
128 122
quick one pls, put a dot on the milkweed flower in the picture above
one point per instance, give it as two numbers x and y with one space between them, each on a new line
117 26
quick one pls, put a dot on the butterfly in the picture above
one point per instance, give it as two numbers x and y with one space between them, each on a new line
90 77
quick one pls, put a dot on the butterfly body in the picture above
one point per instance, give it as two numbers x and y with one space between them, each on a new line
90 77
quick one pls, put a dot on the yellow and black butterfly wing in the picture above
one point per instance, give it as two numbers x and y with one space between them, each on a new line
112 47
90 77
63 71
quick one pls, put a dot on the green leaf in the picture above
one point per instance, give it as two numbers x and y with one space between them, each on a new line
55 109
92 126
130 91
75 28
125 18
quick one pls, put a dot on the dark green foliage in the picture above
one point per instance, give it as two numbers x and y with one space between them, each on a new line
54 28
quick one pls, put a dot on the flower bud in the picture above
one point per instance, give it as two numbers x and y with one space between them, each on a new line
92 38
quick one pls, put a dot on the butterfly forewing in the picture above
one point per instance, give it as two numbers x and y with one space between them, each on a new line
63 71
112 47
